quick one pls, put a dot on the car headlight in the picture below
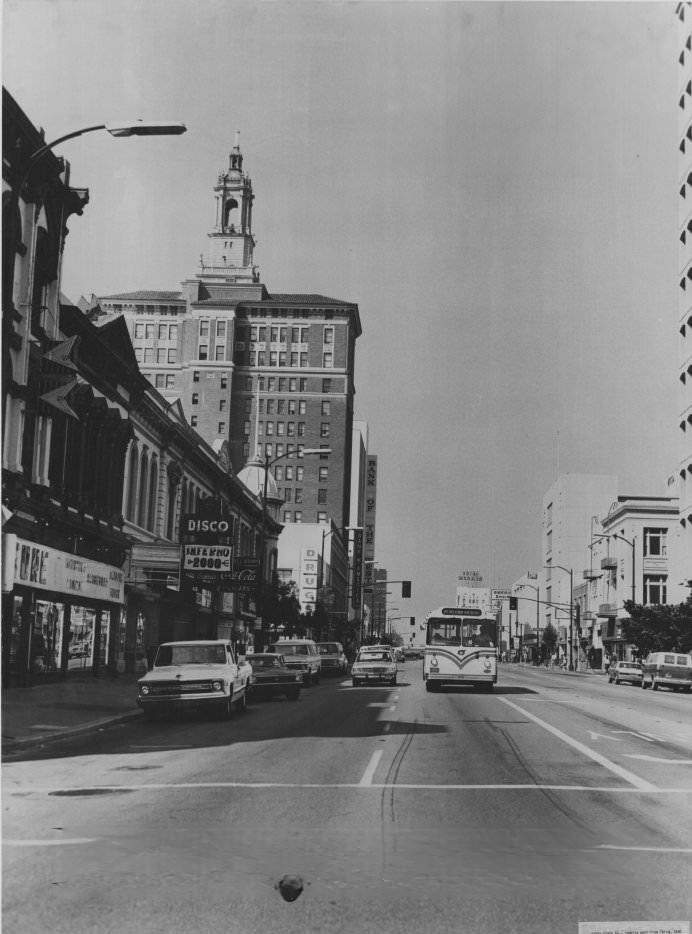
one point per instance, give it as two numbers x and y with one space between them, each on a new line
217 685
144 689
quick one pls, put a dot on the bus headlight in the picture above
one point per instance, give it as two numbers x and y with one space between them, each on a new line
487 664
433 662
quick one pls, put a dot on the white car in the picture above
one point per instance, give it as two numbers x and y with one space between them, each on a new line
619 672
374 663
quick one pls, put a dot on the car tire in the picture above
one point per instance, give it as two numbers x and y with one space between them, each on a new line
227 709
241 703
616 680
293 694
430 686
356 682
654 684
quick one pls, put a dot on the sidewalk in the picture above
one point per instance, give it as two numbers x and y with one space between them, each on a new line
44 712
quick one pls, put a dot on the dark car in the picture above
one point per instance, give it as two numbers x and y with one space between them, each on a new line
333 658
271 676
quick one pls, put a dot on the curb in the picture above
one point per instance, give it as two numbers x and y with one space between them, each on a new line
12 745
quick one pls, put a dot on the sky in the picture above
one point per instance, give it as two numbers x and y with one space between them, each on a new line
494 184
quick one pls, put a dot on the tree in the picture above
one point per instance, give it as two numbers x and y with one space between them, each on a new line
280 607
659 628
549 638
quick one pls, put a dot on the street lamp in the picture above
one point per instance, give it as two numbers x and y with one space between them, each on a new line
549 567
129 128
631 543
264 464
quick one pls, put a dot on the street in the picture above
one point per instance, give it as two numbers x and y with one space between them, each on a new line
559 798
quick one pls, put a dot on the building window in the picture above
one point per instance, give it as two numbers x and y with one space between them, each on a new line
292 407
303 384
322 497
170 381
224 381
163 332
172 355
271 406
269 450
173 332
299 495
299 473
292 384
160 381
262 333
148 354
220 328
246 451
326 408
246 428
274 332
304 335
222 428
195 398
282 358
321 516
329 335
280 428
161 355
289 472
195 376
203 352
295 335
280 450
302 407
655 543
271 384
303 359
298 516
150 331
281 407
248 384
219 352
282 335
287 494
327 361
282 384
279 472
326 385
291 429
269 428
301 429
222 405
655 590
324 430
273 358
139 331
139 355
193 421
294 358
323 473
204 329
288 516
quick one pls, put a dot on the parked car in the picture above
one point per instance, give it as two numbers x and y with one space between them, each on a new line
413 651
667 669
619 672
300 655
399 654
374 663
271 675
191 675
332 658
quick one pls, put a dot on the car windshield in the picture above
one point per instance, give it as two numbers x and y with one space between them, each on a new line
294 649
630 665
450 631
374 657
328 648
190 655
265 661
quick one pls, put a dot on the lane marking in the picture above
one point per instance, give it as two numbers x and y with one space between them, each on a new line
67 842
370 770
585 750
595 736
186 786
381 705
645 849
643 736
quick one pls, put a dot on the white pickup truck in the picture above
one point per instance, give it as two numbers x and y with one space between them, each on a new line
195 674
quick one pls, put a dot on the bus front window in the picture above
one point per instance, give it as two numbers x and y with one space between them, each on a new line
444 632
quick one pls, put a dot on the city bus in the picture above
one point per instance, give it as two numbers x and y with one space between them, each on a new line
461 647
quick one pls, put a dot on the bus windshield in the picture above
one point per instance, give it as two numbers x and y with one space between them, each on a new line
458 632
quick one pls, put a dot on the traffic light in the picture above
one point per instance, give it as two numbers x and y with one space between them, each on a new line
513 603
406 588
577 615
413 620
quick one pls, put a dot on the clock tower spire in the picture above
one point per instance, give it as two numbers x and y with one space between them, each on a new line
229 255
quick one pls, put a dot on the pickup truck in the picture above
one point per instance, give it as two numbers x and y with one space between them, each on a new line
193 675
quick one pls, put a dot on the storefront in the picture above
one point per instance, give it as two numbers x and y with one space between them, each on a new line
62 612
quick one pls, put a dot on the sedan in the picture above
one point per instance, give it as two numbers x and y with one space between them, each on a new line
374 665
620 672
271 676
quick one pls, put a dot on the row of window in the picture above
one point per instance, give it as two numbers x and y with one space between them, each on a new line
220 430
163 355
222 402
146 309
287 429
284 383
148 330
281 335
297 516
219 352
279 450
224 379
275 358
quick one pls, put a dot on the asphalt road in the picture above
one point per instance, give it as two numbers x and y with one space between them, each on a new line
558 799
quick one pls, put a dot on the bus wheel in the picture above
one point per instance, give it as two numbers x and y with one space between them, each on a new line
430 686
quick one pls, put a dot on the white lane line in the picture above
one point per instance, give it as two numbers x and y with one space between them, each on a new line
68 842
580 747
644 849
370 770
250 786
381 705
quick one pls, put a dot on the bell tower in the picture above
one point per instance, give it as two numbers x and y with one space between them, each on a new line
229 255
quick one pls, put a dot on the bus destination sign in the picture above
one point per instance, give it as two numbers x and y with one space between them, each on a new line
461 611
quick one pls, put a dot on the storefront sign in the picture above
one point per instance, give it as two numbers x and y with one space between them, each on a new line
207 558
48 569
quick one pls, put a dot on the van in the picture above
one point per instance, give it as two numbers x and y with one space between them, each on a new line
300 655
667 669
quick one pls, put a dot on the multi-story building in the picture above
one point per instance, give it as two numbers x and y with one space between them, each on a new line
262 372
681 544
630 561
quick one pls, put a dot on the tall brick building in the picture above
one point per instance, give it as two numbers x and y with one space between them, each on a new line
253 370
